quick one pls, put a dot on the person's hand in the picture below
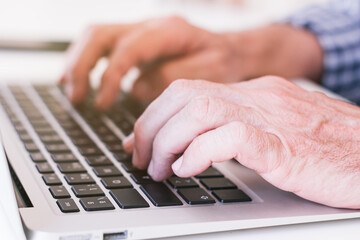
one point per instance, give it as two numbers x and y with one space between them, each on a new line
164 50
170 48
299 141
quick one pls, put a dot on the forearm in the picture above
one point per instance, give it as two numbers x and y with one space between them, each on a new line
278 49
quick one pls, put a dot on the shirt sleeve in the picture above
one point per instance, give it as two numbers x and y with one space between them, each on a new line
337 27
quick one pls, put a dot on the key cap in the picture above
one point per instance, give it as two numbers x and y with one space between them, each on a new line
37 157
109 138
177 182
128 198
98 161
82 141
44 167
67 205
25 137
195 196
64 157
129 167
88 190
51 179
160 195
122 156
115 147
231 195
116 182
57 148
217 183
141 177
89 150
107 171
78 178
210 172
96 203
73 167
59 192
51 138
31 147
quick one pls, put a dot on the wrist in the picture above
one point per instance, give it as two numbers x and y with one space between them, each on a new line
278 49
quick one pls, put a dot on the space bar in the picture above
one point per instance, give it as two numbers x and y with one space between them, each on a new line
160 195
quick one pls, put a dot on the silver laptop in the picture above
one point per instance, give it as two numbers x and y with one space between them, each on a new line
73 180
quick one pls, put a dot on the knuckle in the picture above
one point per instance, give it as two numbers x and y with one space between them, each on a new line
180 85
201 108
174 20
237 130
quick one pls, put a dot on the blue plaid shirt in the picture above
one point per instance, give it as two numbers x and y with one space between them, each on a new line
337 27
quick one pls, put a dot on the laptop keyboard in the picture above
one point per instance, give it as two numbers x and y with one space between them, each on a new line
113 176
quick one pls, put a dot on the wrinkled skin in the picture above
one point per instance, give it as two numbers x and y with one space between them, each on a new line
299 141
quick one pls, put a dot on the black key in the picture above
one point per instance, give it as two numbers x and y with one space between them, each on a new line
89 150
129 167
107 171
59 192
210 172
57 148
73 167
88 190
115 147
82 141
20 129
141 177
116 182
122 156
231 195
67 205
160 195
25 137
128 198
109 138
31 147
44 167
101 130
96 203
177 182
79 178
45 130
217 183
51 138
51 179
75 133
98 161
195 196
64 157
37 157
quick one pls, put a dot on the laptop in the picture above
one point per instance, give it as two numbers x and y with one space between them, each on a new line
71 178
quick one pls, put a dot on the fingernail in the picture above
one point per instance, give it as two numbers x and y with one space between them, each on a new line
69 89
151 168
177 164
127 139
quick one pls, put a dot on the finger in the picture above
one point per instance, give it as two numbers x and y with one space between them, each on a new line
157 39
84 54
171 101
128 143
155 79
250 146
200 115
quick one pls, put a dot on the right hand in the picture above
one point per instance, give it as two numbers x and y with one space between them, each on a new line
164 49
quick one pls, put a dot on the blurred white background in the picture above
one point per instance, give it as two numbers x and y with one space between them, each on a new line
65 20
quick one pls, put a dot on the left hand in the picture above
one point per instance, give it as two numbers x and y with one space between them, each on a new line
299 141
